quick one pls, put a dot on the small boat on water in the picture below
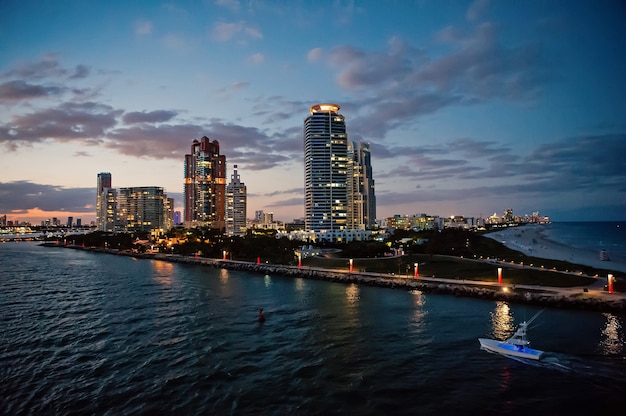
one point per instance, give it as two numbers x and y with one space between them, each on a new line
516 346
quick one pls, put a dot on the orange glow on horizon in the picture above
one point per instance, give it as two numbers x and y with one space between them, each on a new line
36 215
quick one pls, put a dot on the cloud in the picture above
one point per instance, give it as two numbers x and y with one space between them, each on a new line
223 31
80 72
315 55
143 27
69 121
25 195
21 90
158 116
177 43
400 83
256 59
476 9
232 5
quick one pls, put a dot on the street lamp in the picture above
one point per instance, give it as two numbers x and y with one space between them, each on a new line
299 260
416 274
224 257
610 282
499 275
350 265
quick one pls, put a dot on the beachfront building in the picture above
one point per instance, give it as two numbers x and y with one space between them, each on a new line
325 169
236 205
104 221
205 185
144 208
360 188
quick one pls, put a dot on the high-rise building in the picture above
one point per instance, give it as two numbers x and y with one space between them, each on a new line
205 185
325 170
143 208
236 205
70 221
361 196
104 182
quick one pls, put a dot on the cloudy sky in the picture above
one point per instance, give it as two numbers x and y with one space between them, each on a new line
470 107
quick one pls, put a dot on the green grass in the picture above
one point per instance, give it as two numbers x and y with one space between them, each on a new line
452 268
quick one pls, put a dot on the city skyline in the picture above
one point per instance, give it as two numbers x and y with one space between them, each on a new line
469 107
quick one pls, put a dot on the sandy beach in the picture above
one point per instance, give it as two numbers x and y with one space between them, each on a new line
531 240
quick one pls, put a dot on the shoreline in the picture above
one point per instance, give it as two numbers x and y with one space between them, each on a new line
532 241
579 298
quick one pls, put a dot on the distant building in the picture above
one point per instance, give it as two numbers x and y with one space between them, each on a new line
205 185
104 183
236 205
178 218
79 222
70 221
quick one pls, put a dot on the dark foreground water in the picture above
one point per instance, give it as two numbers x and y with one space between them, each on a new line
85 333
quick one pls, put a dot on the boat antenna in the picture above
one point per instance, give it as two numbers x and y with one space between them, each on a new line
534 317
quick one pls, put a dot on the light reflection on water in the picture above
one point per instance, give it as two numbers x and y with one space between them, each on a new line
352 294
612 341
502 323
163 272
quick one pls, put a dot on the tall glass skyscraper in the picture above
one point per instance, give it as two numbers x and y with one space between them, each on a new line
236 205
361 196
205 184
325 169
104 221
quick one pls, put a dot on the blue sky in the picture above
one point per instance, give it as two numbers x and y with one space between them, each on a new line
470 107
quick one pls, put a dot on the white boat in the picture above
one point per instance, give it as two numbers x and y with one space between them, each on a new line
516 346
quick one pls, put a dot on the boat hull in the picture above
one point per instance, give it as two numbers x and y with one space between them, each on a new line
506 348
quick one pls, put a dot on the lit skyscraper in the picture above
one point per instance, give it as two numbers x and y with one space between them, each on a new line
361 197
236 205
103 185
205 185
143 208
325 170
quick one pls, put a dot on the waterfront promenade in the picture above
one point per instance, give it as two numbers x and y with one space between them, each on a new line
591 297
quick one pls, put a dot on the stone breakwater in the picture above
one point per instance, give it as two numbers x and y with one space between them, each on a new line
538 295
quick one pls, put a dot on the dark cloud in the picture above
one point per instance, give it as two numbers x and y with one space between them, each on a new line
67 122
401 83
585 165
81 71
287 202
23 195
158 116
299 191
21 90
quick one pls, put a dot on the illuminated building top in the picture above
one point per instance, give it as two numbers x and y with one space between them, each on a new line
319 108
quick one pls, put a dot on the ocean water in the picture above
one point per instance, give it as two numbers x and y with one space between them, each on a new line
592 236
88 333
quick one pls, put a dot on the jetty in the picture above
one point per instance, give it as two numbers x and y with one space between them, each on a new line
592 297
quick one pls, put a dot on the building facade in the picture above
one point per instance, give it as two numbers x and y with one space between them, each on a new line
144 208
361 196
236 205
325 170
103 222
205 185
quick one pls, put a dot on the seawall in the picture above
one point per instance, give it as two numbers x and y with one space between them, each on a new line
570 298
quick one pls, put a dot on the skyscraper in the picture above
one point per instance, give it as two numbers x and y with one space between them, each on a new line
325 169
143 208
104 183
205 184
236 205
361 197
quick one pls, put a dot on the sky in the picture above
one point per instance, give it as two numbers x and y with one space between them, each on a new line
470 107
